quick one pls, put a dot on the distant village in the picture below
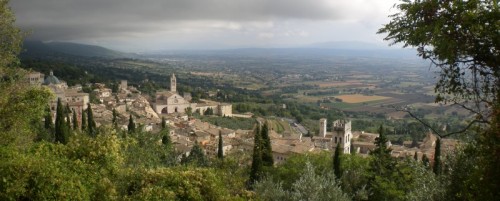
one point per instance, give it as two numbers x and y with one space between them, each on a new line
186 130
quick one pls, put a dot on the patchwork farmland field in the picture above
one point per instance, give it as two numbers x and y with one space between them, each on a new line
359 98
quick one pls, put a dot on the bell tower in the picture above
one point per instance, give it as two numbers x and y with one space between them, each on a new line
173 83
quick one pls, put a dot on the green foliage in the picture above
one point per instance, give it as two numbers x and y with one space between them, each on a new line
291 170
355 175
174 184
309 186
21 106
143 150
459 37
196 157
267 150
9 35
268 190
41 175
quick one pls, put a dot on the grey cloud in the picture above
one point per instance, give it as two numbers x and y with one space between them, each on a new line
75 19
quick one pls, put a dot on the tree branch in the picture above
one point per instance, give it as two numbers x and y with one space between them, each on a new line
441 135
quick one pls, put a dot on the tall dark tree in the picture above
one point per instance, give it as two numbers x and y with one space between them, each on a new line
75 120
48 119
257 163
336 161
437 157
220 150
267 150
115 120
131 125
91 126
415 156
60 125
84 120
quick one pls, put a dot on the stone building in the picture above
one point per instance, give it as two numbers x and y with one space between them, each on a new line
341 134
35 78
168 102
75 99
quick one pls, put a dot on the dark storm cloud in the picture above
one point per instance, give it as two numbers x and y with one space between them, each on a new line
76 19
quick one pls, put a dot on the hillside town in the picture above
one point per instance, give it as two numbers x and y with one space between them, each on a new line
186 130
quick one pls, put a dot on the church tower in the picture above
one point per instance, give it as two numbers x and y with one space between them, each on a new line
173 83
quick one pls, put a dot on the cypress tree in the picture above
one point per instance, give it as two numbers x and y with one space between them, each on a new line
60 126
437 157
267 150
48 119
256 169
91 126
75 121
336 161
220 151
84 120
115 121
131 125
415 156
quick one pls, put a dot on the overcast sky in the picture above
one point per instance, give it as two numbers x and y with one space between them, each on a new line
140 25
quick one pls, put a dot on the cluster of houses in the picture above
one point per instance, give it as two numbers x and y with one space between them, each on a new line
185 131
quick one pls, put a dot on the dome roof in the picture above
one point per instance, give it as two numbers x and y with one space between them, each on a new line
51 79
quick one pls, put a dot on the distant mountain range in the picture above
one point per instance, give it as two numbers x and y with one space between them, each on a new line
347 45
56 49
318 50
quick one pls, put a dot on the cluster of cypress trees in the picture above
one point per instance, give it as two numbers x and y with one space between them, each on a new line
262 153
64 125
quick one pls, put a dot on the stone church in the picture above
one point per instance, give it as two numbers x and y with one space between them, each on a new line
168 102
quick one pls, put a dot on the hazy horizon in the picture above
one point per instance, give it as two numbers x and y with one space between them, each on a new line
153 25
